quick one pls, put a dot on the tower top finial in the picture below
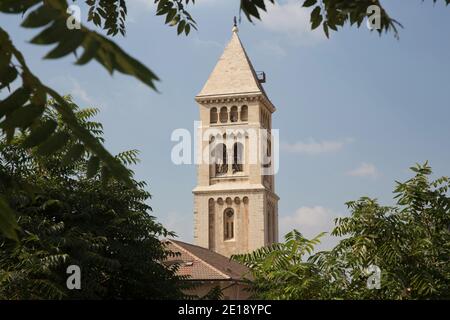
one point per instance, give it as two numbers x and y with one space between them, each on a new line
235 28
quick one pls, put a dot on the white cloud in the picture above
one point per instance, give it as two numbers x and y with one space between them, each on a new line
364 170
291 20
69 85
313 147
311 221
79 92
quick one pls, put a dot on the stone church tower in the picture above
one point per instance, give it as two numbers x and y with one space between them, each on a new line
235 205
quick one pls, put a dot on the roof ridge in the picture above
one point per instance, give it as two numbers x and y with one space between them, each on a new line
175 242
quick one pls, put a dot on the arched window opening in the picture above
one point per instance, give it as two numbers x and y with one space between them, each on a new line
228 218
213 115
238 156
212 156
220 158
274 229
234 114
267 157
244 113
223 115
269 225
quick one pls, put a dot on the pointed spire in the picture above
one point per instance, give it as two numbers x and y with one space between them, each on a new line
235 27
233 73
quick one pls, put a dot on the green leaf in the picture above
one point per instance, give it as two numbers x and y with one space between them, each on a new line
97 20
52 34
17 99
175 20
171 15
92 166
15 6
326 30
40 17
163 11
260 4
249 9
309 3
40 134
73 40
7 76
187 29
53 144
74 154
126 64
316 18
161 4
180 27
90 46
112 57
23 117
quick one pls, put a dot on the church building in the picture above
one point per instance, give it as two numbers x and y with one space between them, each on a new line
235 204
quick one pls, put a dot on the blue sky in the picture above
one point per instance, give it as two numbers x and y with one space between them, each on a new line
354 112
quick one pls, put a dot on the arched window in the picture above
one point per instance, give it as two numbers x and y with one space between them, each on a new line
213 115
271 231
267 159
244 113
234 114
223 114
238 157
228 224
270 224
220 158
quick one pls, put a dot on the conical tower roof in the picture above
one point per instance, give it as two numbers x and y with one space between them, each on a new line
233 73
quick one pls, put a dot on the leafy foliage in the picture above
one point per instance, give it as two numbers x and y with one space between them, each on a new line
280 272
332 14
69 218
409 242
111 13
24 107
176 14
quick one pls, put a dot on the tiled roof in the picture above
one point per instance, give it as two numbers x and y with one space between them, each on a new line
202 264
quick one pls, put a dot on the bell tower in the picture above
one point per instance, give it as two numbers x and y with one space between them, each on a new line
235 205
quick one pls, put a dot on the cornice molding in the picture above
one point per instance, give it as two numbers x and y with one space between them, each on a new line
242 97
